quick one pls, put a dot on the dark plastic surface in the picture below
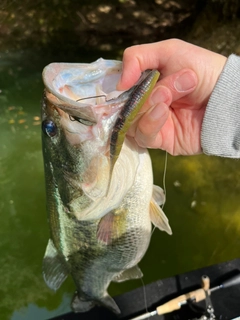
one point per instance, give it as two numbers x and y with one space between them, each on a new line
226 301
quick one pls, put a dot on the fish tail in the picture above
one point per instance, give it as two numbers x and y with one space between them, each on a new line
81 305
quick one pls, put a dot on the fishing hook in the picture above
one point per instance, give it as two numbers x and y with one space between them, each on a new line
100 96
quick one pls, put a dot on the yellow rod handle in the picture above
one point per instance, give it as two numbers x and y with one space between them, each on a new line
175 304
205 282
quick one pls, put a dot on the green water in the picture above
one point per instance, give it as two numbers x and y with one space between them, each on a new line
202 203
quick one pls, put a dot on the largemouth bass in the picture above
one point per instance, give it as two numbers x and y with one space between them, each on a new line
99 184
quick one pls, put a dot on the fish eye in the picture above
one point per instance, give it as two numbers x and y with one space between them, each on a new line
49 127
81 120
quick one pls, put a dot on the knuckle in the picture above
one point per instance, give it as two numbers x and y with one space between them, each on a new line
129 51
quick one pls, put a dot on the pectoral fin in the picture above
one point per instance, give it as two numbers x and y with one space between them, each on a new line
158 217
54 271
111 226
105 229
132 273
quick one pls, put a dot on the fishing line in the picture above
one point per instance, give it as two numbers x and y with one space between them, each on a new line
164 178
144 295
92 97
98 96
164 184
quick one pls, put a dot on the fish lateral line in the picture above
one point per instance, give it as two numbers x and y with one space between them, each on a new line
129 111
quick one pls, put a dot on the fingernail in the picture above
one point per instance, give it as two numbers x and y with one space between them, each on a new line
185 82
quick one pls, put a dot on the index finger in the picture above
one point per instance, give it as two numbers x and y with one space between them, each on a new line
137 59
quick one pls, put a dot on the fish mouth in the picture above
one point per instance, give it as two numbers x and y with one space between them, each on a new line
87 93
80 88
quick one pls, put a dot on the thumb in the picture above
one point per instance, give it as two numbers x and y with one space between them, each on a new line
180 84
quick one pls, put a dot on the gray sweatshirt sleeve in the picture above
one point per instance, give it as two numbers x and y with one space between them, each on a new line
220 134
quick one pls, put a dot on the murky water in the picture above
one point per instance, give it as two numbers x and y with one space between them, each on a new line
202 203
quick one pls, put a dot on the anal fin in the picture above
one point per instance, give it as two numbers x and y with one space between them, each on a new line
54 270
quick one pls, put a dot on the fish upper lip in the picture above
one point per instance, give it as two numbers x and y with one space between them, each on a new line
63 83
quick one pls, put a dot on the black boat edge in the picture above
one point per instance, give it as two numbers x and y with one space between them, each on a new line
226 301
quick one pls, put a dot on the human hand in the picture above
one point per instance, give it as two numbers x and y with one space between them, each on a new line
172 117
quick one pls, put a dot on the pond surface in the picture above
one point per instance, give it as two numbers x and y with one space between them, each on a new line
203 203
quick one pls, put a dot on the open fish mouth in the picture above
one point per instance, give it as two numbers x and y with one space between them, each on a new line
87 88
87 92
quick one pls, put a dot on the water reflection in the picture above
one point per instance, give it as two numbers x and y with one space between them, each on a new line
202 205
23 229
32 311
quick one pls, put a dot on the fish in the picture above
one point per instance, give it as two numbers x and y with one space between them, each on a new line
101 200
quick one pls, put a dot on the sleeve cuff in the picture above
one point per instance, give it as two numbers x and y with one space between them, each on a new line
220 133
